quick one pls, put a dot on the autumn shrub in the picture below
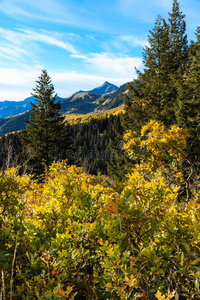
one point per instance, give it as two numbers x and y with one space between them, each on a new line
75 237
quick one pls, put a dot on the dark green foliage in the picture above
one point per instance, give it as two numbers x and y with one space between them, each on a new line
136 113
156 79
188 104
97 147
178 39
92 143
45 131
155 94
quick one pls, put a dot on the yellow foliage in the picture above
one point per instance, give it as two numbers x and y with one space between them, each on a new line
74 224
76 118
156 142
157 148
159 296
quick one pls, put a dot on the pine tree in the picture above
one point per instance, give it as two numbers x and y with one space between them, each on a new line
165 58
45 136
149 95
136 113
188 103
156 77
178 40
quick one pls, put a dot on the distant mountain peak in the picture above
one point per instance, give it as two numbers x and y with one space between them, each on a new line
105 88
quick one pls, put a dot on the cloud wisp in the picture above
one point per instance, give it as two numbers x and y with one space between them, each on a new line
48 10
16 43
17 85
61 12
133 41
48 38
108 63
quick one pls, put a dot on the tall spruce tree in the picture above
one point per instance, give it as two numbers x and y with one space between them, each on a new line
45 135
188 102
155 94
147 99
178 40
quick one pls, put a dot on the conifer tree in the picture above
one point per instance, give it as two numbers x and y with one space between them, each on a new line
149 95
155 94
188 103
178 39
45 135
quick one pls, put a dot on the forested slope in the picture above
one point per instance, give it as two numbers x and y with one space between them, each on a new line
132 234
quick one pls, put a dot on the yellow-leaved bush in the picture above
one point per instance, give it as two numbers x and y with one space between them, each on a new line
156 143
75 237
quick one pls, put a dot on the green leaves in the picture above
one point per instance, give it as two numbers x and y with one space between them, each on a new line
77 237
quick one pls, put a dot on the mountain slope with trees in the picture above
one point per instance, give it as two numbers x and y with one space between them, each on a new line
134 233
14 108
79 103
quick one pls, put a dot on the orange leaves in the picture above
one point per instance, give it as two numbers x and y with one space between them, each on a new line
111 210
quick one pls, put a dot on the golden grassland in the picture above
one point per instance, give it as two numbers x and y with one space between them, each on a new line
76 118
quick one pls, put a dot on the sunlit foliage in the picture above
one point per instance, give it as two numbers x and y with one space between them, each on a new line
74 237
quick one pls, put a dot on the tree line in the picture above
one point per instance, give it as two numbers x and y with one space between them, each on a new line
73 235
167 90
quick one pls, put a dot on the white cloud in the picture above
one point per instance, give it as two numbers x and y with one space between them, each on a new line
17 85
107 63
12 53
18 43
133 41
16 78
49 10
48 39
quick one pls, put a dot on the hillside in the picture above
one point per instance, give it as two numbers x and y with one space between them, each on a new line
76 118
14 108
11 124
105 88
81 103
112 100
85 102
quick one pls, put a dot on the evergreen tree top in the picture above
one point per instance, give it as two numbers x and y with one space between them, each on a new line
46 129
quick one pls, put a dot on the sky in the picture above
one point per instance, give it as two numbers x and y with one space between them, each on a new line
81 43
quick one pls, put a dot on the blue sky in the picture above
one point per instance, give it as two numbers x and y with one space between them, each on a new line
81 43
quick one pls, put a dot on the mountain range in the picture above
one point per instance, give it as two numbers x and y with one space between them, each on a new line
105 97
13 108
